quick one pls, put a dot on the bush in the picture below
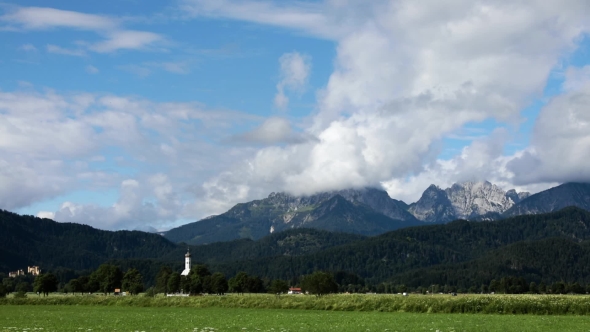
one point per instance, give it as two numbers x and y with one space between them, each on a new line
150 292
20 295
3 291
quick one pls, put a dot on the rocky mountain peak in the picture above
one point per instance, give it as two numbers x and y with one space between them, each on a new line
464 201
433 206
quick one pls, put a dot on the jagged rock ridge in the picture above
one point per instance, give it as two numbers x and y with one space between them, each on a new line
468 200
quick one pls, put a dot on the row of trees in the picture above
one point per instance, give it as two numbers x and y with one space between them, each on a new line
106 279
506 285
199 280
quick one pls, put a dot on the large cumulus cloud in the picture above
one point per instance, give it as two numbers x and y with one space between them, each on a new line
408 74
560 144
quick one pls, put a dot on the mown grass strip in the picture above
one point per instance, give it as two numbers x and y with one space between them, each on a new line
112 318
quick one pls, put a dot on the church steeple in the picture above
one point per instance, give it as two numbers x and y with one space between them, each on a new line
187 263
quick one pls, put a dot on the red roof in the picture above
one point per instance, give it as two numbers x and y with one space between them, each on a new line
295 289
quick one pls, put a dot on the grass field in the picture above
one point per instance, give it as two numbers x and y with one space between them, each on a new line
442 304
114 318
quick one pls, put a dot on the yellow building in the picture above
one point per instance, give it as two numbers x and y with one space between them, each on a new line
34 270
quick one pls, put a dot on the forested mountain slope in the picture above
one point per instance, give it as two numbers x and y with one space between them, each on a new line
27 240
548 260
383 257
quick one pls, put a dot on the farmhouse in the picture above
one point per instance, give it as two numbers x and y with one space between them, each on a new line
294 290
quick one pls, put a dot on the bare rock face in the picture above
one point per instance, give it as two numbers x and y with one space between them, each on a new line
468 200
433 206
472 199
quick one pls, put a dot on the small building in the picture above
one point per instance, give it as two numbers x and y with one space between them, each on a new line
294 290
34 270
187 263
16 273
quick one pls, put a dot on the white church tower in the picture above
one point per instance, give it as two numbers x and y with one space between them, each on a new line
187 263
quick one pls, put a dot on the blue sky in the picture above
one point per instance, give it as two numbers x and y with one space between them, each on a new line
134 114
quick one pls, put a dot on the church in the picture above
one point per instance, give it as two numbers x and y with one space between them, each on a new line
187 263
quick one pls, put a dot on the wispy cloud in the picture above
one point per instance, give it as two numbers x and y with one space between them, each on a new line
145 69
126 39
64 51
41 18
304 16
295 69
90 69
138 70
272 131
28 48
40 133
115 36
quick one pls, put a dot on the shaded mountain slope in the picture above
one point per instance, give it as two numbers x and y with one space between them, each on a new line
28 240
547 260
363 211
382 257
553 199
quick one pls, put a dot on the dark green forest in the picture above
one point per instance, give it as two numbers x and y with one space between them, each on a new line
540 249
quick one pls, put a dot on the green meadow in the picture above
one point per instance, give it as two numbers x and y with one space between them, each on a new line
262 312
439 304
115 318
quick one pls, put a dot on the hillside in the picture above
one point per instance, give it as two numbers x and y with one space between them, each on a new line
546 260
383 257
544 247
553 199
28 240
293 242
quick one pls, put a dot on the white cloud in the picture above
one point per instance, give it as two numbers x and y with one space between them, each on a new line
127 39
140 71
294 71
46 214
406 75
64 51
133 209
306 16
52 144
28 48
273 130
561 137
90 69
145 69
115 36
40 18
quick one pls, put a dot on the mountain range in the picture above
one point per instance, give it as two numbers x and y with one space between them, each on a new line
370 211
